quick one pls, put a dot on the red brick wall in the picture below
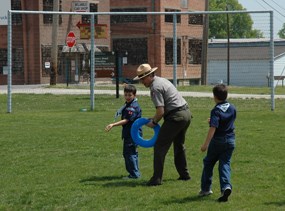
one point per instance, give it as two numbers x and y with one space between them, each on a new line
32 34
156 40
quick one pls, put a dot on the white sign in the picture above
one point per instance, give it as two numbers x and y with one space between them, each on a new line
80 6
5 70
47 65
125 60
5 6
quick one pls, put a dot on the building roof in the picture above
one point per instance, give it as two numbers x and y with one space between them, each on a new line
244 49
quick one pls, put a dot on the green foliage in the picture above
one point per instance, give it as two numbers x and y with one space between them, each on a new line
54 157
240 25
281 32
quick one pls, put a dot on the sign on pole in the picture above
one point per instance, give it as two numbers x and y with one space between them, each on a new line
101 31
70 39
5 6
80 6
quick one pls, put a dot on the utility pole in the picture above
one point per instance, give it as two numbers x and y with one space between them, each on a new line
205 45
53 73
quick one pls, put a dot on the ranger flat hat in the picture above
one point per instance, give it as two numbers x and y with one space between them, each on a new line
144 70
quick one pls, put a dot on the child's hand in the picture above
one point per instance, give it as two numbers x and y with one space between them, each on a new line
204 148
108 127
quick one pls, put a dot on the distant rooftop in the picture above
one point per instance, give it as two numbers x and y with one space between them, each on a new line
245 42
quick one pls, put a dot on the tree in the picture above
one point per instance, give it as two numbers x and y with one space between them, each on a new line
281 32
240 24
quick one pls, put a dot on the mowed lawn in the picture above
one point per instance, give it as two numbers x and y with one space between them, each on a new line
55 157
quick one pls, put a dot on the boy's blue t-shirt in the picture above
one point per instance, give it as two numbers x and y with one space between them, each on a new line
131 112
222 118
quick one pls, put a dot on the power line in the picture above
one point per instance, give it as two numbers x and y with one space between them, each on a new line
276 17
278 5
273 8
261 5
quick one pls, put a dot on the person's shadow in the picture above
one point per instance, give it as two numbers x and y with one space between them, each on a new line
112 181
189 199
99 179
276 203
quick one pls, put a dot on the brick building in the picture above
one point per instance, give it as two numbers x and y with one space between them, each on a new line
141 38
32 40
149 38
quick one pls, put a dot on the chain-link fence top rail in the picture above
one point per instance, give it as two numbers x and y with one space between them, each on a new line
176 50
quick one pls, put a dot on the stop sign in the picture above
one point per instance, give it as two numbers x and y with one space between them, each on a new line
70 39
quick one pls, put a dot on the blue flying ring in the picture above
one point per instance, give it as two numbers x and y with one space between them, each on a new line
137 137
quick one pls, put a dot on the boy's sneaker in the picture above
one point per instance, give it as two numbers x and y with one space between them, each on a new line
226 193
205 193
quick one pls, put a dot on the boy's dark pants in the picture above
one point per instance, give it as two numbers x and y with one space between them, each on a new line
173 130
130 154
220 149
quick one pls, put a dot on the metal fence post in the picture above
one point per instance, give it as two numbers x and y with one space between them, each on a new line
272 61
92 69
9 51
175 50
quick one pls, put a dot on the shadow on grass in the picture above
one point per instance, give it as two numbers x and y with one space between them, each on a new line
116 181
189 199
98 179
112 181
276 203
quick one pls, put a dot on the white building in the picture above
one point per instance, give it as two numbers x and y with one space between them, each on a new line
249 61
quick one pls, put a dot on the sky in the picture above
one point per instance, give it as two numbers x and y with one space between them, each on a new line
278 8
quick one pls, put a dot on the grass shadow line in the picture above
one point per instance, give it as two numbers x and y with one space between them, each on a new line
99 179
276 203
191 199
112 181
125 183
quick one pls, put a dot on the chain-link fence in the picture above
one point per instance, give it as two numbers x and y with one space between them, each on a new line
81 47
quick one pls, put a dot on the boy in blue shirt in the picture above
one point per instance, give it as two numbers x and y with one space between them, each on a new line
129 112
220 143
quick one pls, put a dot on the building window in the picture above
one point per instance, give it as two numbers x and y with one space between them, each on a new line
195 19
128 18
169 18
3 59
169 51
48 6
195 51
17 59
135 47
16 18
87 18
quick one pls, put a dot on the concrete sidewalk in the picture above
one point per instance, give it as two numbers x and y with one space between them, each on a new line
41 89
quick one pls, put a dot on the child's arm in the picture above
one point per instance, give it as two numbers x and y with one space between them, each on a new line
121 122
209 137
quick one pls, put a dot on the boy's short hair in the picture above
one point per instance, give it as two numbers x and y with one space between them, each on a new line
130 89
220 91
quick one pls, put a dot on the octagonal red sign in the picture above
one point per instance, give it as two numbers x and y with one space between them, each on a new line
70 39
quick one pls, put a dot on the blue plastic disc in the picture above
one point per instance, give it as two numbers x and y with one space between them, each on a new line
138 139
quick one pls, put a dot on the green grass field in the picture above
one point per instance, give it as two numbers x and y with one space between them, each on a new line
54 157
